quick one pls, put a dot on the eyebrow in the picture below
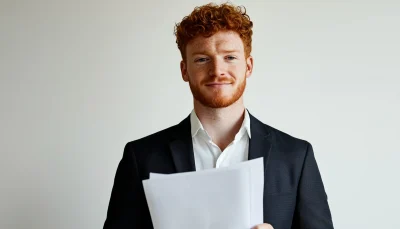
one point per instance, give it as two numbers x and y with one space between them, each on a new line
224 51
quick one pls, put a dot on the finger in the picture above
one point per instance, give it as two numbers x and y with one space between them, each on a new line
263 226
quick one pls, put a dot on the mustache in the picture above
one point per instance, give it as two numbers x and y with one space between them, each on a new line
219 81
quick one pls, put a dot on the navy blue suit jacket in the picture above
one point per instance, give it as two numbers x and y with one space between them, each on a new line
294 195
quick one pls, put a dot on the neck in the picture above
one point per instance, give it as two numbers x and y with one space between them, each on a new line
221 124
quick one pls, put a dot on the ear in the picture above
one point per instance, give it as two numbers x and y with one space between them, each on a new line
184 71
249 66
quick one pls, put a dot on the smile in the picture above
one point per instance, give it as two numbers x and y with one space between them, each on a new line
217 84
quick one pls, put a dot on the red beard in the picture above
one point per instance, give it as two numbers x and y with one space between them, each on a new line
218 100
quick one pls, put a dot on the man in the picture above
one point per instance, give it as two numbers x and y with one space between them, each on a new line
215 44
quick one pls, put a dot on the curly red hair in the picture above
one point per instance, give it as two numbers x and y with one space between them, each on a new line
209 19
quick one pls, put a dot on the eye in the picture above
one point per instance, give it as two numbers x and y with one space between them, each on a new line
201 60
230 57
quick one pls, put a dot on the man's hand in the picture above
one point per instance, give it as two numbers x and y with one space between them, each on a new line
263 226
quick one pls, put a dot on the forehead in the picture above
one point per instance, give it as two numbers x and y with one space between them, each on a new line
221 41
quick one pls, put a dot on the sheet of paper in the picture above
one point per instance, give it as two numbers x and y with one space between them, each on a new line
229 197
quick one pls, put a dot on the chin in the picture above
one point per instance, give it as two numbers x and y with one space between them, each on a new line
218 102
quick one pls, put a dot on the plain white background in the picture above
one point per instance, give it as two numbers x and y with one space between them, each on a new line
80 79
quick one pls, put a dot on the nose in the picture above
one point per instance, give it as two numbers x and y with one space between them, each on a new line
217 68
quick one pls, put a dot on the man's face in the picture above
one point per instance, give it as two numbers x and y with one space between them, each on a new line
216 69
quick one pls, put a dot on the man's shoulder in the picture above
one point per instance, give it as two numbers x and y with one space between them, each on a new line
159 137
282 139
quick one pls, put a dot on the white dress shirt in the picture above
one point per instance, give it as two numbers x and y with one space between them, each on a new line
208 155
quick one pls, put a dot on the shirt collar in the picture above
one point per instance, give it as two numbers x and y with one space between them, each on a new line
196 125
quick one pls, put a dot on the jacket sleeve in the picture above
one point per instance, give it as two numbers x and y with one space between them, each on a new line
127 203
312 209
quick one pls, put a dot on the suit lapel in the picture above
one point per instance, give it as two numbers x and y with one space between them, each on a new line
182 148
260 141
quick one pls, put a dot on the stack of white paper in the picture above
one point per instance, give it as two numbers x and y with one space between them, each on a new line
229 197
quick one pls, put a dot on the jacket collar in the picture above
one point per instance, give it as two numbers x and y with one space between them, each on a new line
182 147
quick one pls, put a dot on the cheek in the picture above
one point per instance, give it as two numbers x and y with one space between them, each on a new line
238 71
197 73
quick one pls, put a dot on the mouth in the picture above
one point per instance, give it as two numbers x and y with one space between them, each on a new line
217 84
